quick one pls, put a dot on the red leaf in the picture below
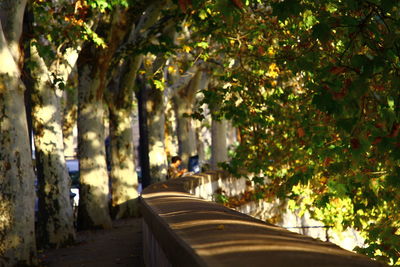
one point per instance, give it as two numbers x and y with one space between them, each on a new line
395 130
261 50
184 5
238 3
300 132
327 161
377 140
378 87
337 70
355 143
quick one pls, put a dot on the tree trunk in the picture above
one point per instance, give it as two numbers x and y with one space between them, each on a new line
93 211
70 117
93 68
219 151
183 101
124 180
55 227
171 139
156 131
70 103
17 193
143 131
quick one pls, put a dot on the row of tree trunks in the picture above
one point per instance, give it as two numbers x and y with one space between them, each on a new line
55 212
93 68
17 198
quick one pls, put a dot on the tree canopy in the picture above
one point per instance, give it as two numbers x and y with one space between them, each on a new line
313 88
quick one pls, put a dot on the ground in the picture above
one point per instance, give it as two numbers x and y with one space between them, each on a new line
119 246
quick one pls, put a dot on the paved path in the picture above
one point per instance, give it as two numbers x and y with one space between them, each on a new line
119 246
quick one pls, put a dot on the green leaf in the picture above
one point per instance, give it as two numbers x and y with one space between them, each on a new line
387 5
203 14
258 180
285 9
321 31
394 178
347 124
337 188
159 85
203 45
308 18
323 201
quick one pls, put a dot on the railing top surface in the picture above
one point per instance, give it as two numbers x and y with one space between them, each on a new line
213 235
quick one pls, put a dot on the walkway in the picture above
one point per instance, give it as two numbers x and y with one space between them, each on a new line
119 246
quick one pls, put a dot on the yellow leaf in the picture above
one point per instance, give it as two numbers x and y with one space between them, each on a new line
171 69
271 51
186 48
273 71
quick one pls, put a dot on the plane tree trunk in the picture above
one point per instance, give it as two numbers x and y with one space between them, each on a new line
93 209
17 193
93 66
219 150
124 179
55 220
155 106
184 100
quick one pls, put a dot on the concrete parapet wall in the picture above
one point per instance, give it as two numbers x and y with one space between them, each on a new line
208 183
181 229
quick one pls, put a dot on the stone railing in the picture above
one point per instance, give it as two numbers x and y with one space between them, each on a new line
181 229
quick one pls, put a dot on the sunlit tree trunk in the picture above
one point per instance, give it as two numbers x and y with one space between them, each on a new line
17 194
70 104
55 220
70 117
171 139
183 101
203 136
93 67
219 151
124 180
156 130
93 211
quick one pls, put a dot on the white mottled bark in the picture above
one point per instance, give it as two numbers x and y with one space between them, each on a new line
70 117
68 73
17 194
94 191
219 151
183 101
124 180
156 129
93 66
171 139
55 220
